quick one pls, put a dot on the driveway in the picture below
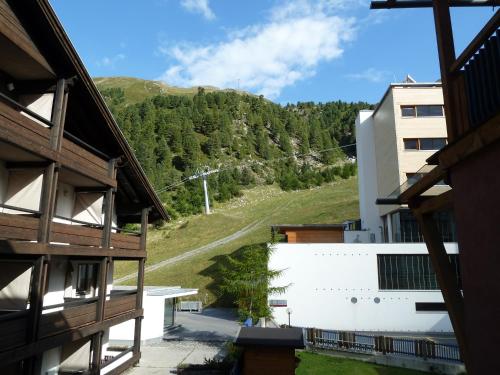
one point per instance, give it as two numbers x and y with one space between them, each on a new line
198 336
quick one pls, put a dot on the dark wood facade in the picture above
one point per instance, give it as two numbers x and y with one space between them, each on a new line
470 163
79 144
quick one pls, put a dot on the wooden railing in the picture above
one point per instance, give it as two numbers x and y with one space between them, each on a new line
366 343
13 328
76 235
34 137
125 241
120 304
476 78
18 227
69 318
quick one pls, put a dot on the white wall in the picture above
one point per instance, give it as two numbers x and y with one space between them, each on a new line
367 175
324 277
57 280
152 324
23 189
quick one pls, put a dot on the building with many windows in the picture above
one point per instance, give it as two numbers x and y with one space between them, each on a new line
393 143
374 274
70 188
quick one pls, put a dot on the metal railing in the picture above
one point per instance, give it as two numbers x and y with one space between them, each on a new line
34 213
365 343
480 65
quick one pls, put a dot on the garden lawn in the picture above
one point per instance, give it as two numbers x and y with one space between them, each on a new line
318 364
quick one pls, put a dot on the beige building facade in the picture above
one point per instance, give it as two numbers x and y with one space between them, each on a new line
394 142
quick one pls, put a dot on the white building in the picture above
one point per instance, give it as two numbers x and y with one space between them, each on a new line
377 275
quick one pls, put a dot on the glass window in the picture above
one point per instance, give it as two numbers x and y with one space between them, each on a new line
432 143
86 278
429 110
408 110
410 272
411 143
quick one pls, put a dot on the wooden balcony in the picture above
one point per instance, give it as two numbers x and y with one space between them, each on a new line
75 315
33 136
18 227
13 327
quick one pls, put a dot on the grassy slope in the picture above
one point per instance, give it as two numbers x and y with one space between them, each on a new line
316 364
136 89
331 203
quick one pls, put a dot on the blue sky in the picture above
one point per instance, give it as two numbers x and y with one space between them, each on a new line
289 51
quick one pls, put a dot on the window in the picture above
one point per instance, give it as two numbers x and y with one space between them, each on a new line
86 279
406 229
411 143
430 110
432 143
424 143
408 111
278 302
430 306
410 272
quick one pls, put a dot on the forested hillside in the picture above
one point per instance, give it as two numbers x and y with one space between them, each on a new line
249 139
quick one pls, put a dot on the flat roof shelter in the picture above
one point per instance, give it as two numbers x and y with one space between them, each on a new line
470 165
269 350
309 233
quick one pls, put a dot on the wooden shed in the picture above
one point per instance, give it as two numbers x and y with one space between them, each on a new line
269 351
310 233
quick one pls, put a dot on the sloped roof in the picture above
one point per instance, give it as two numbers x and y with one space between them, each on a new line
44 28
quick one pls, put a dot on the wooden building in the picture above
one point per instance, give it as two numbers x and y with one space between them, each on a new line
69 183
309 233
470 164
269 351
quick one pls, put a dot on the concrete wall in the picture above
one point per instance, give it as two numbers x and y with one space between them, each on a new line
323 279
367 176
152 324
410 161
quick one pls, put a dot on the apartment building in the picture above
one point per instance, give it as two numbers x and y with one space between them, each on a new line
393 143
73 200
374 274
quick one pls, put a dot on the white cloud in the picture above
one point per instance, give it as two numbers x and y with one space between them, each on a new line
199 6
110 62
371 75
267 57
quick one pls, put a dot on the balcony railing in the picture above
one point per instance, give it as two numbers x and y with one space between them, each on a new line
13 327
477 73
19 227
27 133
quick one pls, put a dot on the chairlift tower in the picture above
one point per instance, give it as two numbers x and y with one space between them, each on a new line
204 175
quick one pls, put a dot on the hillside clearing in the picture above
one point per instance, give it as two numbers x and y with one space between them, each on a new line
266 205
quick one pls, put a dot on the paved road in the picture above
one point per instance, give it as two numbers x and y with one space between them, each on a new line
192 253
200 336
212 325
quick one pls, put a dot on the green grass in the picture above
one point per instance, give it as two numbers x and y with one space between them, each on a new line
317 364
267 205
136 89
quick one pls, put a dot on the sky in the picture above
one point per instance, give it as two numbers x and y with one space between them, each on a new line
286 50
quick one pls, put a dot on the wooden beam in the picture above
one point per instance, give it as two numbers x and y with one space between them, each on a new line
138 306
144 227
47 202
422 185
91 189
433 204
446 277
446 50
50 342
26 164
22 248
36 298
101 306
58 115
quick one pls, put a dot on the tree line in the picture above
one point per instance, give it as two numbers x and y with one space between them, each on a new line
248 138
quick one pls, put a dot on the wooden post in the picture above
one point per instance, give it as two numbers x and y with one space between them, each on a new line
47 202
101 305
446 49
36 298
109 200
58 115
138 305
144 227
446 277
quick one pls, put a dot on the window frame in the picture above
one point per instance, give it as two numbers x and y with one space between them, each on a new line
90 283
419 143
415 110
